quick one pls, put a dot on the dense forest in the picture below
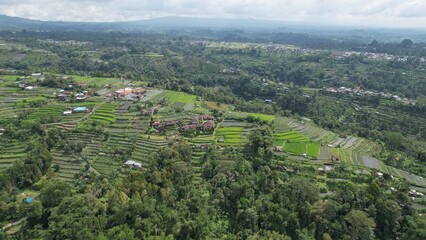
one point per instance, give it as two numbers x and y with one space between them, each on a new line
245 191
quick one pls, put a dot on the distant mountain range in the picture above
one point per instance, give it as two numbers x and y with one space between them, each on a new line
7 22
173 25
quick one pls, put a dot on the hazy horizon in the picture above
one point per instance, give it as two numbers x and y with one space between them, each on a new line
362 13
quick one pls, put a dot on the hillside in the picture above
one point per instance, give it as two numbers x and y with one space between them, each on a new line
112 135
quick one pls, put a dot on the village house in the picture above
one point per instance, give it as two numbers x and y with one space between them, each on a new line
67 112
148 112
201 147
2 131
131 97
83 85
139 91
129 94
80 97
195 120
209 125
80 110
64 95
278 149
123 92
133 164
206 117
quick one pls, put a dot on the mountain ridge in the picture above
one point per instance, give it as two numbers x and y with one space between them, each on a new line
170 21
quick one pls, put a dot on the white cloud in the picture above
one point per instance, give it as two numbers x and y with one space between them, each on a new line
409 13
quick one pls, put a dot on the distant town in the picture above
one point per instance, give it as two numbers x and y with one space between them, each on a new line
360 92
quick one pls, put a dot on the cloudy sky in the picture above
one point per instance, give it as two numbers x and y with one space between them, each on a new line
390 13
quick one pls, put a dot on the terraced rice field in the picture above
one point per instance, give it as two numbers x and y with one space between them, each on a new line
144 147
167 114
50 111
69 164
411 178
202 139
10 111
349 142
95 81
106 163
324 153
10 153
232 135
281 124
180 97
291 136
138 126
312 131
311 149
352 157
242 115
366 147
104 114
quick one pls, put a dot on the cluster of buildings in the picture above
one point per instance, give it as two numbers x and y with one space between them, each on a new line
373 56
27 86
65 43
359 92
201 122
65 95
23 81
127 94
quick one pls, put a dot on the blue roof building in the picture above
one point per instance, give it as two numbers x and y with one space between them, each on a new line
80 109
29 200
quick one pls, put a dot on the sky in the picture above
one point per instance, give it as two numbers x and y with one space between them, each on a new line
374 13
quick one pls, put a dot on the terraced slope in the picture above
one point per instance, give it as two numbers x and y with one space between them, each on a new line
10 153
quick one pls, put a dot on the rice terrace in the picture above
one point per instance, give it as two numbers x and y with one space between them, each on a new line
104 131
205 128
